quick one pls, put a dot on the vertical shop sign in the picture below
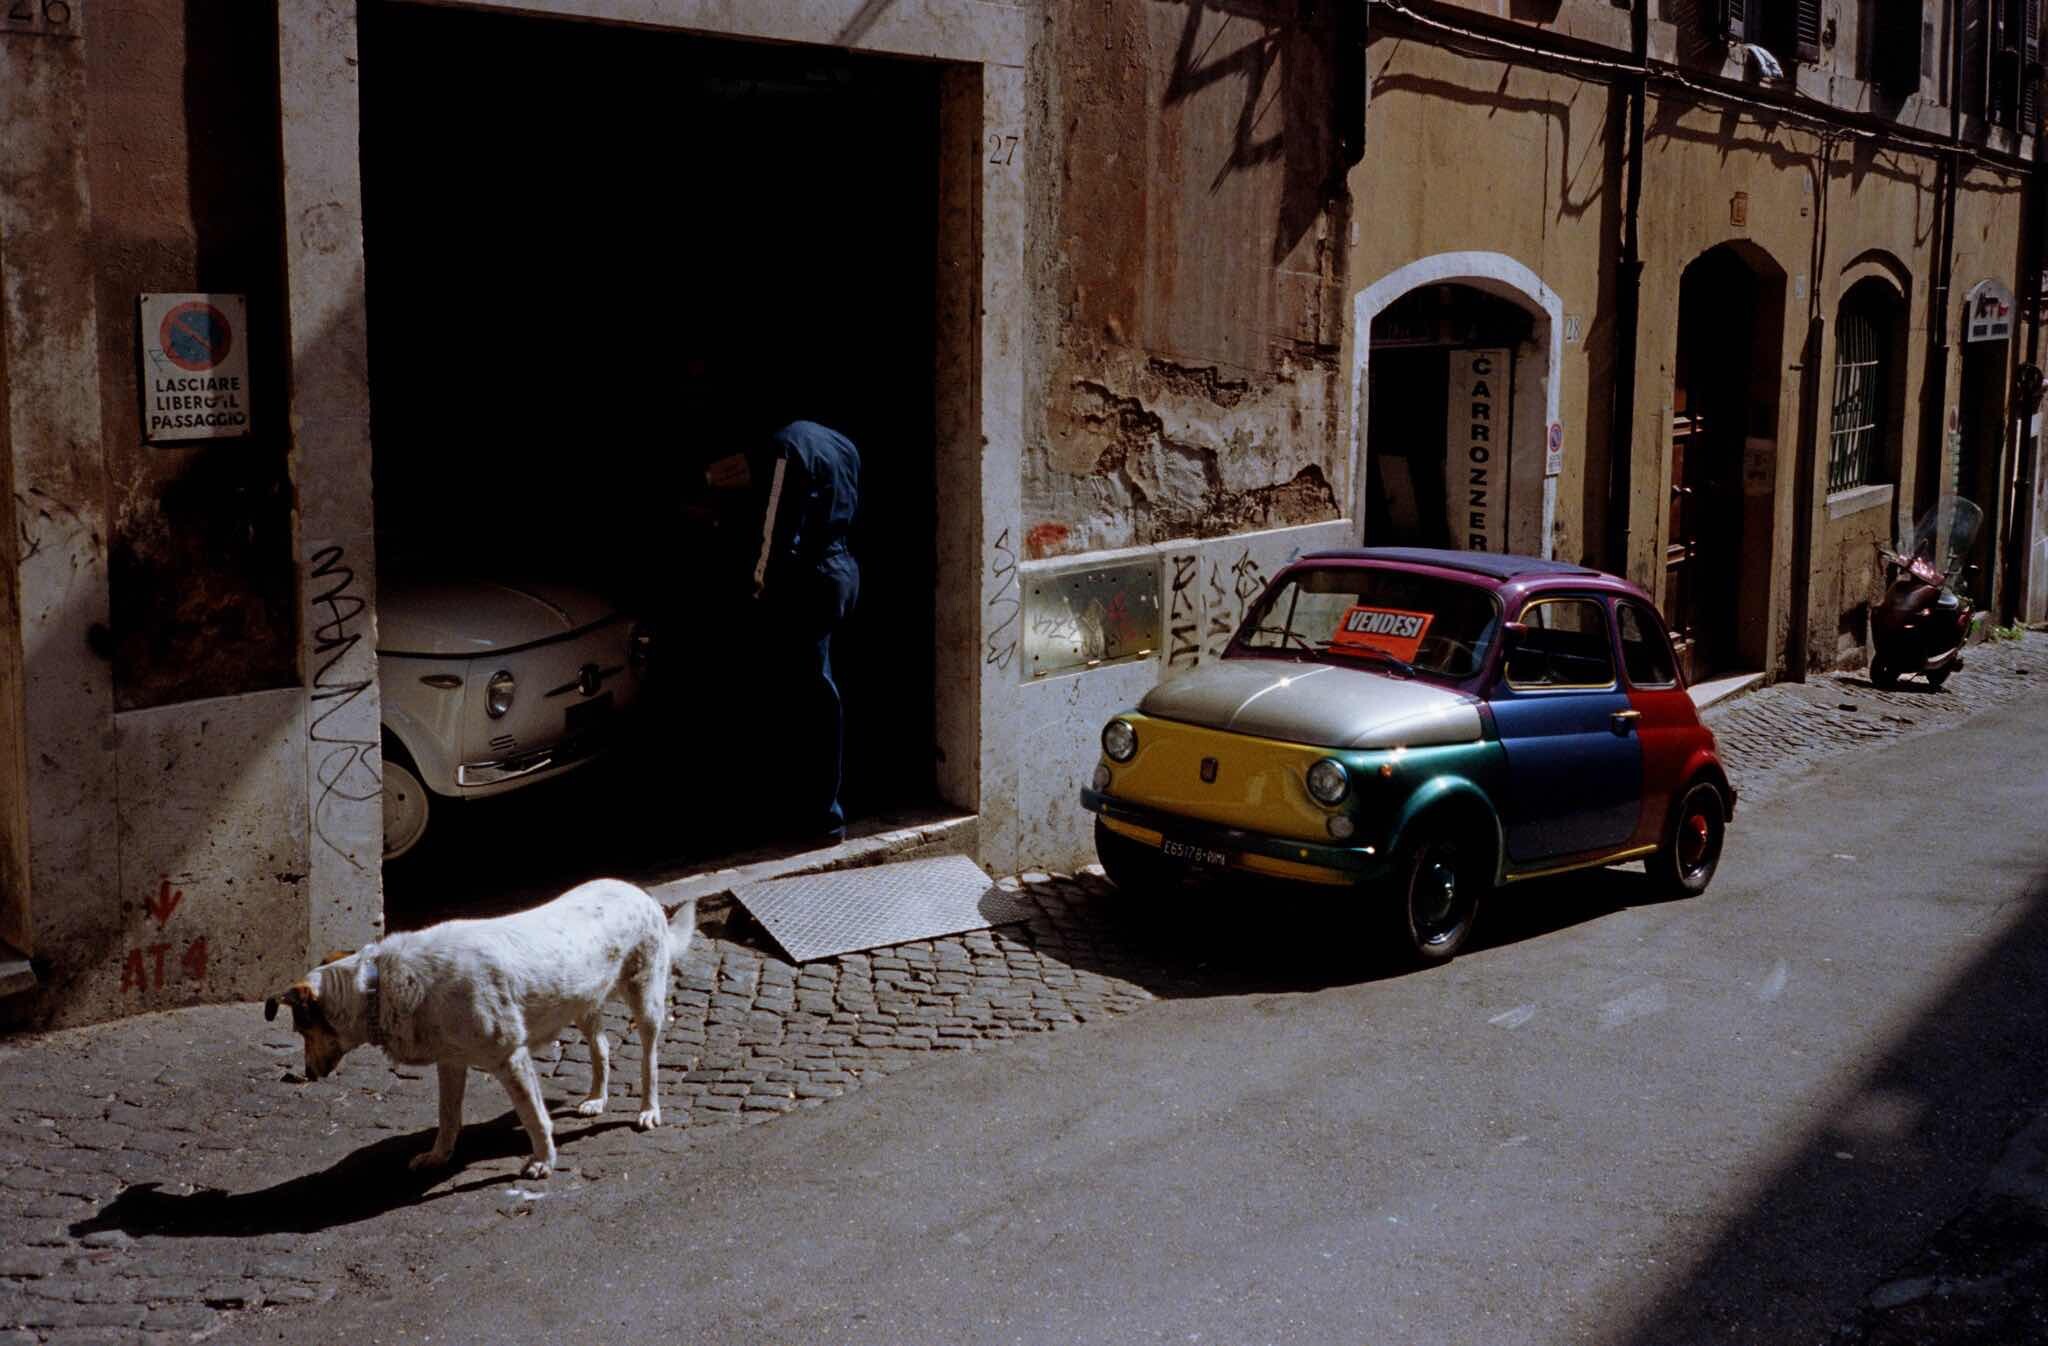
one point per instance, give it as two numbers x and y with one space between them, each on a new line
195 366
1476 449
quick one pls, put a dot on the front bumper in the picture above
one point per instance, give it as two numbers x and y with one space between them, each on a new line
1256 852
531 764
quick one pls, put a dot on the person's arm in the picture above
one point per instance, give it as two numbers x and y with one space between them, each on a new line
768 520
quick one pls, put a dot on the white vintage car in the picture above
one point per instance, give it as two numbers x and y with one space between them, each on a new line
491 686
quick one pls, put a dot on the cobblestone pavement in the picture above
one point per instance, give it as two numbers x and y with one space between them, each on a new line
162 1174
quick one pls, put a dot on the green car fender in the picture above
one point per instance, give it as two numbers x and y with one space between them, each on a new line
1469 783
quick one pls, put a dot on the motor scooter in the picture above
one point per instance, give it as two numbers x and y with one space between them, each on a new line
1922 622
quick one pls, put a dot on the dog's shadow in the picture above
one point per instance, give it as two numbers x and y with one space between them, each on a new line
371 1181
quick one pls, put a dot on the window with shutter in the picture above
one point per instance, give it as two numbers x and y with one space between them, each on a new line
1895 46
1973 96
1788 29
2029 63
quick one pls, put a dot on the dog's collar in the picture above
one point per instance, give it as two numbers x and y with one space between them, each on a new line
373 1004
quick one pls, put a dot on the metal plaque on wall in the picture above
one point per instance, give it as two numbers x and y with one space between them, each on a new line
1081 618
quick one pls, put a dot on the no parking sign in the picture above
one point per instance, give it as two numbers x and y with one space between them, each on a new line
195 366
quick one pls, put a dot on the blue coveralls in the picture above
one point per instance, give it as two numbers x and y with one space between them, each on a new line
809 582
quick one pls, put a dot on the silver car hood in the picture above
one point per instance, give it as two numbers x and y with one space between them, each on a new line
1320 704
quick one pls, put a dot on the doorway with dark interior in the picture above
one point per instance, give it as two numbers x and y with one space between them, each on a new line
1724 408
1439 419
599 258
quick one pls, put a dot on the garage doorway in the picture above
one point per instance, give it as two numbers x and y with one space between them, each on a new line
1447 366
599 256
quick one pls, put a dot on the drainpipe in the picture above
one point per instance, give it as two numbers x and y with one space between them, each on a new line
1944 263
1628 314
1806 456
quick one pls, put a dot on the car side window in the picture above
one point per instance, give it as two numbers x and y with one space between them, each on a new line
1565 644
1645 654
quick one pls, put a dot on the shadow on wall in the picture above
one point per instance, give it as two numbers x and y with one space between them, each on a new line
1293 60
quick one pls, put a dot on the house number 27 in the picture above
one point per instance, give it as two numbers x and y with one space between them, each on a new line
1002 149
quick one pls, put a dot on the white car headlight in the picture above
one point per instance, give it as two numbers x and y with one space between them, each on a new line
1329 782
498 694
1119 741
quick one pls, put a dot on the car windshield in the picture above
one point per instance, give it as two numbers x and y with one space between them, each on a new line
1364 615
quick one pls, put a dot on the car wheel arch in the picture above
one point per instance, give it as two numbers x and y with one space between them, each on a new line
1448 798
434 767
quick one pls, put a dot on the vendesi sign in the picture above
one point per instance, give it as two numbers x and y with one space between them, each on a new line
195 366
1476 449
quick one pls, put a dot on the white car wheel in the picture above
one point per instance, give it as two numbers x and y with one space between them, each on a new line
405 808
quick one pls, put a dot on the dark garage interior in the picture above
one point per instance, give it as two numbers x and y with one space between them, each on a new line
599 257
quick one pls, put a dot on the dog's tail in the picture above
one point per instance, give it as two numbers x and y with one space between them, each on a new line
682 928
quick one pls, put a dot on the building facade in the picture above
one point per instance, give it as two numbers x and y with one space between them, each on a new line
1128 302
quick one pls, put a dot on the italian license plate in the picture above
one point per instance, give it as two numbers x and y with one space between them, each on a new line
587 715
1194 855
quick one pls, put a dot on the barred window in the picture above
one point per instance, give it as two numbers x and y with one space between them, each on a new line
1859 451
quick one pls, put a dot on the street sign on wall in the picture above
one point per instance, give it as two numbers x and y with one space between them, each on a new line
195 366
1987 312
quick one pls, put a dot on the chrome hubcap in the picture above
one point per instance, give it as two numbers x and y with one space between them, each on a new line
1437 913
1695 839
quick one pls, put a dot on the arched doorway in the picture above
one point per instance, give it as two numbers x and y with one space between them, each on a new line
1724 404
1457 399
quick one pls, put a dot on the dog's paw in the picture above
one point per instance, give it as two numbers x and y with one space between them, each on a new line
430 1159
590 1107
537 1168
649 1119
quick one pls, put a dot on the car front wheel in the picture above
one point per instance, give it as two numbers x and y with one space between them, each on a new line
1437 886
406 805
1684 865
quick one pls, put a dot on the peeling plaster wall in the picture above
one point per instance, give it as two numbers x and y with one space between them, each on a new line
183 157
1190 296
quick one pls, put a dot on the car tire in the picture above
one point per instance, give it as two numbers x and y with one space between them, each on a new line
1440 876
1882 673
1136 869
407 804
1691 851
1940 675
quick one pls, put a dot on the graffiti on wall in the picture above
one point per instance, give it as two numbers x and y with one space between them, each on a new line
1005 608
149 967
345 769
1080 618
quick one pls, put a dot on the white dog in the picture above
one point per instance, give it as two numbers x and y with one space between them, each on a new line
488 993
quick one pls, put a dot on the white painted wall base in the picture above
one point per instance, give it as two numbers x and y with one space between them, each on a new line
1057 719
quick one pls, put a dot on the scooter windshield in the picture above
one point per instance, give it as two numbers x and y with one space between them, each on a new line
1942 538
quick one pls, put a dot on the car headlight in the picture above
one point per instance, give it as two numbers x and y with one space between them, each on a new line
1329 782
1119 741
498 694
640 646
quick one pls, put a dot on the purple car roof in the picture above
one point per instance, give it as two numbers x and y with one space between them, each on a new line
1509 572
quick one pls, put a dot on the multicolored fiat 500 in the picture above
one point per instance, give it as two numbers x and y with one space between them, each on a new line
1431 724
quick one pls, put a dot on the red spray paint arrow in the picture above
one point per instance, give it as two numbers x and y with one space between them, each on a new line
164 903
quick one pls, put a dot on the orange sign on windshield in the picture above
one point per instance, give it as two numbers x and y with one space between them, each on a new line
1388 630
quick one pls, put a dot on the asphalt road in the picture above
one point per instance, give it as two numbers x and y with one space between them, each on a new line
1722 1119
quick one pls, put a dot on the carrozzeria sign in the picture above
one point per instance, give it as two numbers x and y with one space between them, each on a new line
195 366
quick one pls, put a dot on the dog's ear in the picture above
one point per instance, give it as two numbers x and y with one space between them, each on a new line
335 956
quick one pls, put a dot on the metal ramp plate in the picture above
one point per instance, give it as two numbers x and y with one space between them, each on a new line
815 916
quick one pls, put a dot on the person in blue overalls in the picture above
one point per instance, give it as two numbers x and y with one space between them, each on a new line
807 478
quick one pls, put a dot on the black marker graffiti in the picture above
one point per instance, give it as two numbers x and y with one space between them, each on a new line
1002 636
1183 621
347 772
